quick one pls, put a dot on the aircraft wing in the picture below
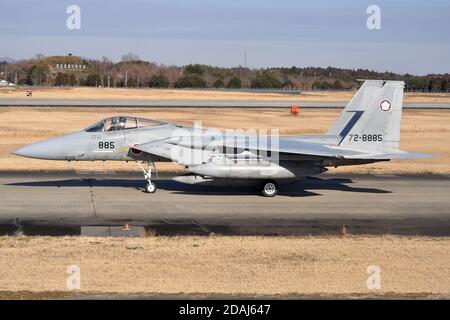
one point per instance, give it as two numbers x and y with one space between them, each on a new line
182 154
329 151
164 148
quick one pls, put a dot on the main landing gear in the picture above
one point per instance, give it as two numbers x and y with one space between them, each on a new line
150 186
269 188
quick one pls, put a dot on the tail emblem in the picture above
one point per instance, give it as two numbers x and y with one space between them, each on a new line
385 105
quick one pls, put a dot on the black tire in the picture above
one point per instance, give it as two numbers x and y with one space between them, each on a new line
150 187
269 188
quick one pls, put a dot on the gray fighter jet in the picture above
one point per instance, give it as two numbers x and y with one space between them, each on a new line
367 131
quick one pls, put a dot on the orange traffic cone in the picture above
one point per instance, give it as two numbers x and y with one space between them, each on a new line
126 227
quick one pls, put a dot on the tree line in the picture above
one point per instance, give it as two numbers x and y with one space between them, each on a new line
133 72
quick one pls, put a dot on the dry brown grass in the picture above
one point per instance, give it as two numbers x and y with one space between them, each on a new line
422 131
227 265
177 94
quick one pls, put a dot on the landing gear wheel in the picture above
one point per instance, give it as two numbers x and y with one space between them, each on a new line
150 187
269 188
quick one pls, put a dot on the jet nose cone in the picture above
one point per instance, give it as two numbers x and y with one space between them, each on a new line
23 152
48 149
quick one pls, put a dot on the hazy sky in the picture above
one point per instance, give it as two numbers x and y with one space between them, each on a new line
414 35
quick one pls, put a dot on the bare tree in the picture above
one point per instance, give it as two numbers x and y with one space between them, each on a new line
129 57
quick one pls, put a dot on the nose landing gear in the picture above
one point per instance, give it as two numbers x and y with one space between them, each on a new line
151 186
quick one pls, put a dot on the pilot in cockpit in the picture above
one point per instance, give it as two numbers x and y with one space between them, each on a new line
117 124
122 123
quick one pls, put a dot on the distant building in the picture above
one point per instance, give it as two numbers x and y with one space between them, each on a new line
71 67
4 83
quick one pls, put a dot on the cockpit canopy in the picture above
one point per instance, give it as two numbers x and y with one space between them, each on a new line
122 123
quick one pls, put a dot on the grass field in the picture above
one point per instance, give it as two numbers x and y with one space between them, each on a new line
227 265
174 94
422 131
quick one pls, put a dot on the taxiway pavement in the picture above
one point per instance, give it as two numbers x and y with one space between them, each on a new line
364 204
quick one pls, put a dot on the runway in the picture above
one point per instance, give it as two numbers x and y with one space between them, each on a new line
188 103
365 204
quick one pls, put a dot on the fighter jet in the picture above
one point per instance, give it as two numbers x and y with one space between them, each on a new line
367 131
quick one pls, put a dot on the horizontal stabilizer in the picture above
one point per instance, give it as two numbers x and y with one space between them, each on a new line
392 156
